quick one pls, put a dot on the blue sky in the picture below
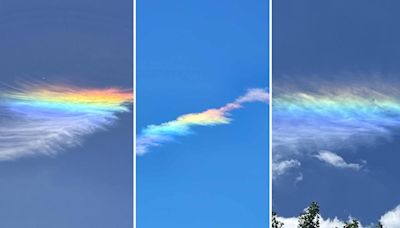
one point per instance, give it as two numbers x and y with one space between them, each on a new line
339 42
193 56
82 43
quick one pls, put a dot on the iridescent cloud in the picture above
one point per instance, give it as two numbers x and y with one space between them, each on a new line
331 118
43 119
156 135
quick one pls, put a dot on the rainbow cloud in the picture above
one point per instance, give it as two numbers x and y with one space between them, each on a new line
156 135
331 118
42 119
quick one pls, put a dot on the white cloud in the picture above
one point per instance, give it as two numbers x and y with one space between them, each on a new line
252 95
292 222
391 219
281 167
288 222
336 160
299 178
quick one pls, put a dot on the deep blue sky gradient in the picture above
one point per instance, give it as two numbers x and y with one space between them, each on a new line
192 56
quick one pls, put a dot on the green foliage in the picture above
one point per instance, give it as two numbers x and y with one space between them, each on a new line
310 217
353 224
275 222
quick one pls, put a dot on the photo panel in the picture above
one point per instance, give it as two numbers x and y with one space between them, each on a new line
202 114
335 109
66 114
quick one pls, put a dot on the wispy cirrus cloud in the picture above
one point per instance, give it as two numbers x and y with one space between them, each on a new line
44 119
315 118
281 167
336 161
157 135
329 117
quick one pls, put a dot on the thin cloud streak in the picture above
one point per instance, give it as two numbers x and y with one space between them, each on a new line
336 161
157 135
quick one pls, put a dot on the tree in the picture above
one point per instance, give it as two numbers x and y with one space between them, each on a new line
275 222
353 224
310 217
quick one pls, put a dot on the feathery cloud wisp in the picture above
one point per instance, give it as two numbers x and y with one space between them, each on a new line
331 118
336 160
281 167
156 135
42 119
